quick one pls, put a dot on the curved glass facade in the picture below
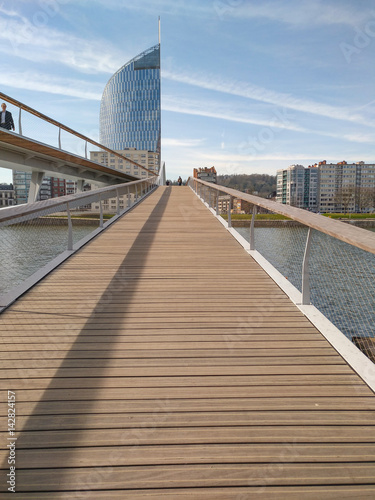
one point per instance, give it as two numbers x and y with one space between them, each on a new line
130 106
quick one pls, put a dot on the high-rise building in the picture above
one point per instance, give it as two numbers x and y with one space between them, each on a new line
130 111
297 186
130 118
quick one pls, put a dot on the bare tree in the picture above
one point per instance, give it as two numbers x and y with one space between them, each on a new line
344 196
366 199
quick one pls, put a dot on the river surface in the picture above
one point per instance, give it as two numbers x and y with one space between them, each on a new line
342 277
26 248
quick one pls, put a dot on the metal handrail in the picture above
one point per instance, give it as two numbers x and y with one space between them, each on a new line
46 118
14 214
356 236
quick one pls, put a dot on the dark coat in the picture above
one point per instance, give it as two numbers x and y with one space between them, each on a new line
9 124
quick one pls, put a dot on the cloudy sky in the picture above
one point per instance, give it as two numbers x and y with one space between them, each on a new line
249 86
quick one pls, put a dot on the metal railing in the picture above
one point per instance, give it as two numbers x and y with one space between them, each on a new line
330 262
54 135
36 237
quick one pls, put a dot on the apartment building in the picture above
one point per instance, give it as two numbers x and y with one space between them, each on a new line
328 187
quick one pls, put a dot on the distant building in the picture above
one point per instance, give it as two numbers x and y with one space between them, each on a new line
130 109
144 158
6 196
346 187
328 187
51 187
224 203
58 187
241 206
297 186
45 189
206 174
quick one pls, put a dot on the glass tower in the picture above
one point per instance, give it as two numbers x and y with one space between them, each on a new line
130 105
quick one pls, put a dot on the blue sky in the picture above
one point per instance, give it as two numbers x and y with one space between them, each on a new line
249 86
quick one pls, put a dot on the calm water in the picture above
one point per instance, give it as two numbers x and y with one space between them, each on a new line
342 277
26 248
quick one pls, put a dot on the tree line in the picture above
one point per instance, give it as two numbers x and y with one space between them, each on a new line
263 185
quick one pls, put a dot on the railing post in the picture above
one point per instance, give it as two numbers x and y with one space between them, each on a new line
128 196
217 202
86 149
59 137
209 197
19 122
252 239
118 202
305 271
136 194
101 213
229 212
70 229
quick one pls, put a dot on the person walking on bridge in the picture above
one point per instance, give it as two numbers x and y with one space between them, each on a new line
6 119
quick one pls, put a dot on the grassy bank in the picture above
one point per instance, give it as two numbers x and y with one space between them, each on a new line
282 217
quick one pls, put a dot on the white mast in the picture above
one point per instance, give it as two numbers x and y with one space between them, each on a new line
159 30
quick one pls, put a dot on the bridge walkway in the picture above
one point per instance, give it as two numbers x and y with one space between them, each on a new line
162 362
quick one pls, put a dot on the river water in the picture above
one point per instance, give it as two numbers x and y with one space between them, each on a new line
24 249
342 277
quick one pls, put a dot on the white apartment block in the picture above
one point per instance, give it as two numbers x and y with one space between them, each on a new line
298 186
147 159
328 187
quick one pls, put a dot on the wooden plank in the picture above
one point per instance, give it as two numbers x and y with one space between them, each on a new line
97 380
174 371
170 405
101 353
104 393
193 454
120 418
188 476
310 492
197 435
225 360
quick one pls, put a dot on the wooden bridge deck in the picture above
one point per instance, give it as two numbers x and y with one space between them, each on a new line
162 362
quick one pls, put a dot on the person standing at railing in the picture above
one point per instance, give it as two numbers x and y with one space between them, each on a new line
179 181
6 119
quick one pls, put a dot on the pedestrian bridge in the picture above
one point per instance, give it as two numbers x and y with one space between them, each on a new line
161 360
22 152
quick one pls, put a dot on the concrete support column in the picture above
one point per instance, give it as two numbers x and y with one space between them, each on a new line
35 183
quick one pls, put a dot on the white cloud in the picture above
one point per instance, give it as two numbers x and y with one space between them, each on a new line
185 143
38 42
214 109
280 120
54 85
303 14
256 93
